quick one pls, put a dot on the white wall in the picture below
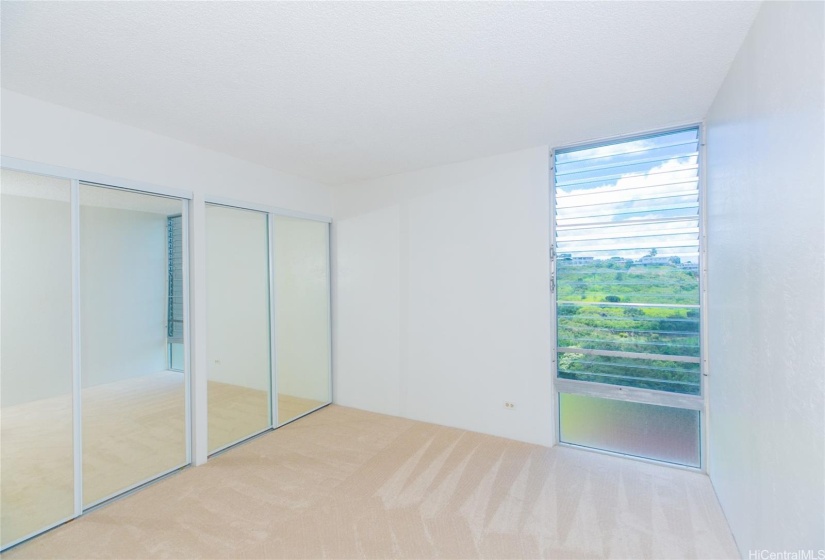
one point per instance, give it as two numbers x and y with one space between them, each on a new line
766 309
46 133
442 291
237 284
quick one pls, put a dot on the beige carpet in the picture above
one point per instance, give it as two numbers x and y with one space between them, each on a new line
342 483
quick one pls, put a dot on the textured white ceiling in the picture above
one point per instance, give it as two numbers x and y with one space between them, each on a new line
342 91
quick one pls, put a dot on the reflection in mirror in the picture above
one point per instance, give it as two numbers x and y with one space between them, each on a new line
133 395
302 344
238 340
36 459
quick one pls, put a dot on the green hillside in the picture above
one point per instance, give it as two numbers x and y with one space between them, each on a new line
621 306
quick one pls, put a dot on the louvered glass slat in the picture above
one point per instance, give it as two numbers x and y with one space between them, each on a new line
625 171
643 244
687 138
175 283
627 273
634 163
660 175
562 196
687 256
631 227
661 211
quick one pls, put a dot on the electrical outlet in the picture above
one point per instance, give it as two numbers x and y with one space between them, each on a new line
509 405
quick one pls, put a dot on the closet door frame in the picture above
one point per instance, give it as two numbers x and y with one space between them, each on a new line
76 177
77 339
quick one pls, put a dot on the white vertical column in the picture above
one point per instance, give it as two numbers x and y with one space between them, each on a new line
331 337
704 367
273 364
554 325
187 323
197 332
77 427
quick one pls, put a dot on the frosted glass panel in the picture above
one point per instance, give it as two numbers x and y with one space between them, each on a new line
133 402
643 430
302 315
36 460
238 340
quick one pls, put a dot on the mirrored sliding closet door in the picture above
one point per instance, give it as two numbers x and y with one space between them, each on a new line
36 429
238 330
302 315
268 320
132 316
94 375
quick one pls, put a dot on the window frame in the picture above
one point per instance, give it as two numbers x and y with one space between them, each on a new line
173 272
618 392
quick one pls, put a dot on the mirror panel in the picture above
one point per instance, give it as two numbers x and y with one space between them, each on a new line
36 455
302 316
133 400
238 339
